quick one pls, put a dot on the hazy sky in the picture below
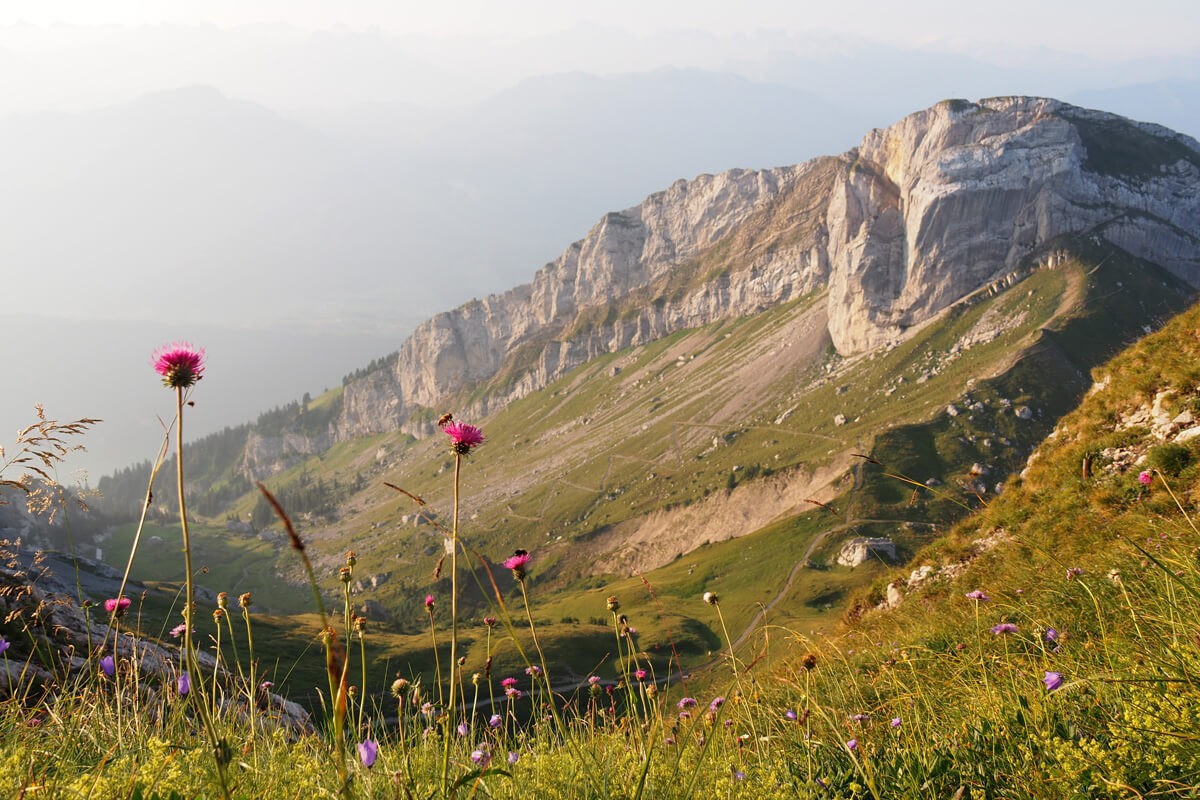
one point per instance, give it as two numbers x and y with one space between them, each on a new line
1100 28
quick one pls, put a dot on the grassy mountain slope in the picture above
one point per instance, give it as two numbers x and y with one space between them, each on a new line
691 461
1076 676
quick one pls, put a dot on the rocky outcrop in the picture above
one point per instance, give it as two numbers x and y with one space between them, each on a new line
265 456
918 216
34 597
934 206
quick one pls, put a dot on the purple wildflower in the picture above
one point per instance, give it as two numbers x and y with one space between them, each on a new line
896 723
978 595
852 744
368 751
1074 572
513 693
183 684
1051 635
792 715
1053 681
533 670
4 644
495 721
108 666
482 757
463 729
1004 627
861 718
687 702
513 756
178 630
716 703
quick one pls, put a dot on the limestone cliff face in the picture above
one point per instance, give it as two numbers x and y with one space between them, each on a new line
265 456
919 215
933 206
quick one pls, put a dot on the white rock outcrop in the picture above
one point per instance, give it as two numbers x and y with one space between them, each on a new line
916 217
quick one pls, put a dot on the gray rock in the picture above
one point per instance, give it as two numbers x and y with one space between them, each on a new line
858 550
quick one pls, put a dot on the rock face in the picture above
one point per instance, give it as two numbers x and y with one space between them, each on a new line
918 216
859 550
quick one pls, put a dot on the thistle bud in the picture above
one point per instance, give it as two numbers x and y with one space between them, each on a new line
351 558
218 614
476 678
244 600
223 600
399 687
462 660
613 604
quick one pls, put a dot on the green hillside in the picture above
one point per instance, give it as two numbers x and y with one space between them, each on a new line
686 465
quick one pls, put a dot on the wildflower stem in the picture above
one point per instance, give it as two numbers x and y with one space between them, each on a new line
453 622
193 667
533 632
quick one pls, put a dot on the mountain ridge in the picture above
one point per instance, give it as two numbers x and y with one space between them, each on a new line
891 246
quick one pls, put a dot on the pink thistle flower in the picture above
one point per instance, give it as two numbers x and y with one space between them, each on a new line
1145 478
463 437
517 563
508 683
429 601
180 364
640 674
118 605
178 630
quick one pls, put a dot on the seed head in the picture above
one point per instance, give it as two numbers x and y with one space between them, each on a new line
612 604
